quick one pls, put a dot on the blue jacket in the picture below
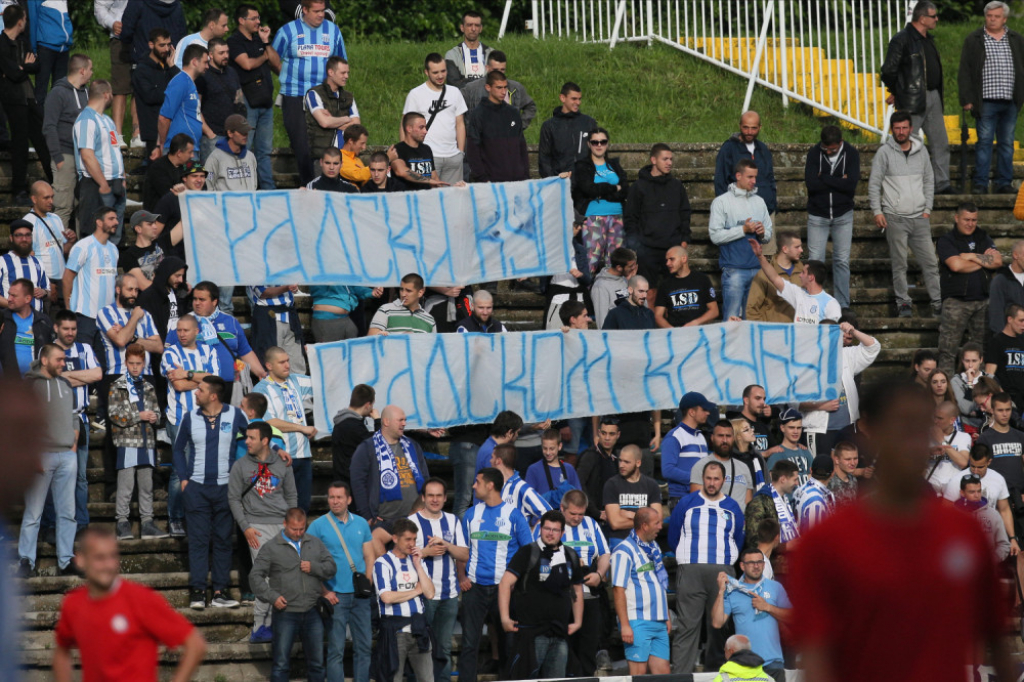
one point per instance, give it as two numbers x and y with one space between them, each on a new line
142 16
732 151
49 25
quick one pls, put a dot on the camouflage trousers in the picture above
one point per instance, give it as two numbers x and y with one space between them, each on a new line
960 318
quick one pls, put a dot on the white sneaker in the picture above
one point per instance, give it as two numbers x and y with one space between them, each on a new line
161 436
137 143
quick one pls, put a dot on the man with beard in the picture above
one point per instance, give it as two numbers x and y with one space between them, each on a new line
19 263
599 464
121 324
220 95
165 299
706 530
482 318
51 239
150 79
626 493
165 172
739 482
90 276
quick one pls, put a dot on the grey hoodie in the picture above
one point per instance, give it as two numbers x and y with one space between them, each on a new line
230 172
607 289
901 184
63 105
269 499
62 423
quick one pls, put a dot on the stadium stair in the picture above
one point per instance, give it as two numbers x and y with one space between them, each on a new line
811 73
162 564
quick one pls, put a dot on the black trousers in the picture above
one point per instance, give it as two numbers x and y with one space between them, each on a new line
26 121
295 126
583 645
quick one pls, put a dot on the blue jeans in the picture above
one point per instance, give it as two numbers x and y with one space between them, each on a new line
261 142
735 287
551 654
116 202
441 614
463 458
60 470
210 530
309 627
81 486
303 471
998 120
226 300
841 229
352 613
175 507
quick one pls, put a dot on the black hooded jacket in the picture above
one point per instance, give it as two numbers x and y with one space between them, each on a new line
563 142
156 299
657 210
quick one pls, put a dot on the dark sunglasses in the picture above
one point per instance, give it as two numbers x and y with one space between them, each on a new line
598 143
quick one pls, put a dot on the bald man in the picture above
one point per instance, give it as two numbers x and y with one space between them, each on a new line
745 144
288 395
743 664
685 298
1005 289
481 320
388 473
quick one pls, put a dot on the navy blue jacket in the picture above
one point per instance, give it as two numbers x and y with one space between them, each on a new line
142 16
732 151
627 316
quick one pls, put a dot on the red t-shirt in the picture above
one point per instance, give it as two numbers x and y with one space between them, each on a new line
118 634
890 599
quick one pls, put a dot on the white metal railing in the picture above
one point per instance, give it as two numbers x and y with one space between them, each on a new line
823 53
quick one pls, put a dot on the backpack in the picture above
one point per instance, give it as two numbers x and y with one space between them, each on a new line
570 555
554 495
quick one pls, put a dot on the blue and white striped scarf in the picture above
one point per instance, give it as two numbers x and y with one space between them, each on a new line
390 486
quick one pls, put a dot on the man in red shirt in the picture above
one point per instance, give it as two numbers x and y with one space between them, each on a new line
896 586
116 624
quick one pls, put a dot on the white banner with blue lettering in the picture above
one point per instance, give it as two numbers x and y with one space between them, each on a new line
443 380
450 236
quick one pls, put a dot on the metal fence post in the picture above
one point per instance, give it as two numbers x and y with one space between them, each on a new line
768 12
504 19
620 14
785 53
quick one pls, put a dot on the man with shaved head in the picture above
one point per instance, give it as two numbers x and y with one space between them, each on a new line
741 663
1005 288
685 298
288 395
745 145
482 318
640 588
388 473
631 312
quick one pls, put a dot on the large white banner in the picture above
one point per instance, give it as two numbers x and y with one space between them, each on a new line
443 380
451 236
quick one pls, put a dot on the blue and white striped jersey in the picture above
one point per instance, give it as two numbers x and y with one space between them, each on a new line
520 495
48 243
115 315
635 567
14 267
495 534
213 445
586 539
287 401
391 574
199 359
95 268
285 299
179 50
79 356
304 53
97 132
441 569
704 531
814 503
680 450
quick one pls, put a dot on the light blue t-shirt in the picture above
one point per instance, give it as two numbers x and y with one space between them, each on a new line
600 207
24 341
356 532
761 628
